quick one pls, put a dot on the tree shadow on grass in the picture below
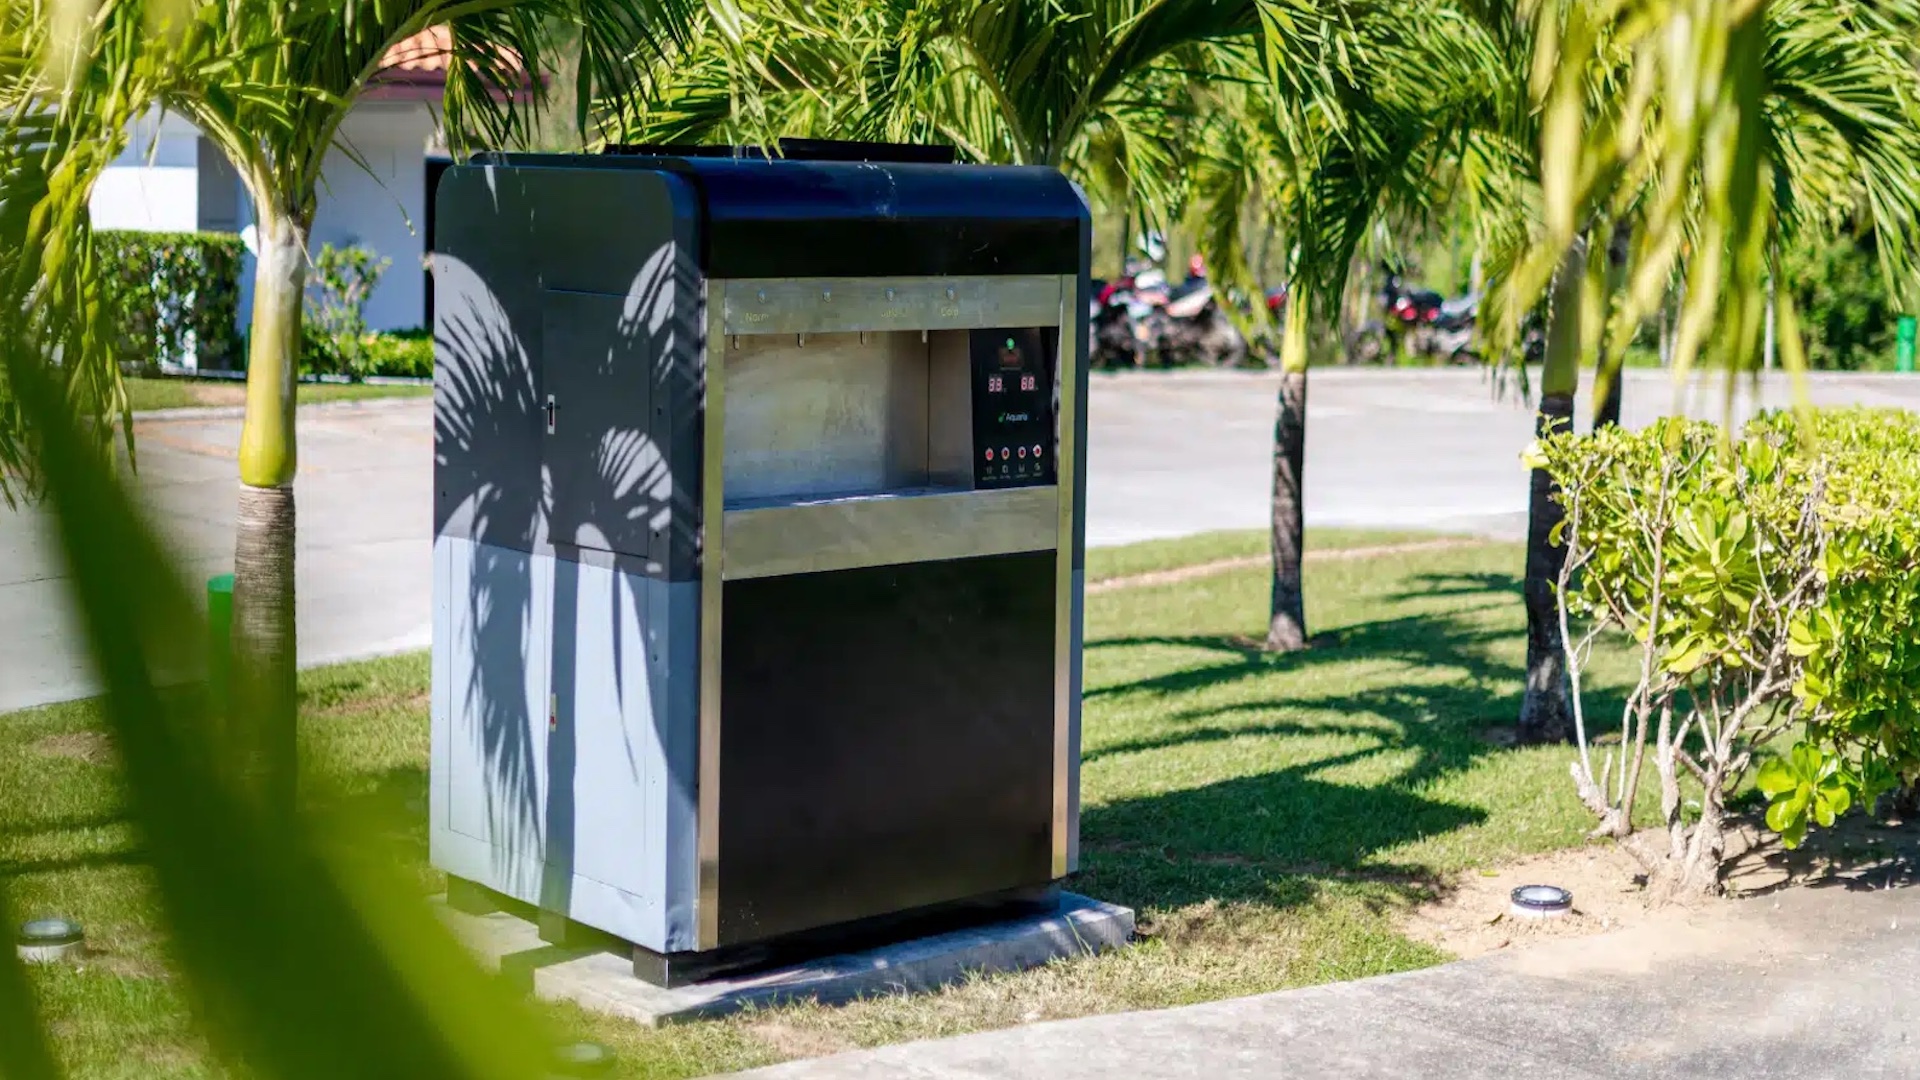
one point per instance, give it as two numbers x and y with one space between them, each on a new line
17 868
1445 639
1461 583
389 805
1278 837
29 827
1284 819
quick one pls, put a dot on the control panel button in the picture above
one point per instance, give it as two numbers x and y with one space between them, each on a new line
1013 408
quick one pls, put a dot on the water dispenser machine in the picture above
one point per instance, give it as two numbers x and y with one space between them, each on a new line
759 534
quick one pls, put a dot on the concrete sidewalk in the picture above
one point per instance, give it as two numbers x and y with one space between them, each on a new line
1813 983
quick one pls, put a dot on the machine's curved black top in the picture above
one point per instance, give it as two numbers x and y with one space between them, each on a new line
797 150
766 218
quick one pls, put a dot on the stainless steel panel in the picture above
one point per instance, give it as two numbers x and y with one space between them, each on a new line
1065 609
949 409
712 538
837 414
826 305
840 534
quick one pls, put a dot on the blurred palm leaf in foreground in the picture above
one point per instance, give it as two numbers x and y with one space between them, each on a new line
303 955
268 83
1741 123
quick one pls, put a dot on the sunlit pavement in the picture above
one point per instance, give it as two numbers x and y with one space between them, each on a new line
1812 983
1169 454
364 555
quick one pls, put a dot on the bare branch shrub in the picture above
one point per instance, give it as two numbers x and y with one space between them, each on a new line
1722 562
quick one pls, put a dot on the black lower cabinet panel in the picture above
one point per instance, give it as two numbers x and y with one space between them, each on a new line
886 740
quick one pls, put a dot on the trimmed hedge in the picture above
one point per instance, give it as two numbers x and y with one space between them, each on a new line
175 295
401 354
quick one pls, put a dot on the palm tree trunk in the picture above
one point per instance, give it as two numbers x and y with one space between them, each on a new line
261 726
1768 347
1545 710
1287 622
1606 411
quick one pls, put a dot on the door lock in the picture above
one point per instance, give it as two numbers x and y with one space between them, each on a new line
553 412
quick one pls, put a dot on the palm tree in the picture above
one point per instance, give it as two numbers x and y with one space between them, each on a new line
268 82
1366 133
1797 112
52 304
1800 113
1096 88
1317 115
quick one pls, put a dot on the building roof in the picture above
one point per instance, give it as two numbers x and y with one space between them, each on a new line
416 69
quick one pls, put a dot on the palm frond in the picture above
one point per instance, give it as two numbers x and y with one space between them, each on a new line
1744 125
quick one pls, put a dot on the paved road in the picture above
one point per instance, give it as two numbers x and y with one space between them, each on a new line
1170 454
1427 449
365 524
1816 984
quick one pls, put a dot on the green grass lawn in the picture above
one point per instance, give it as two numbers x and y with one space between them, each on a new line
1152 555
1267 817
179 393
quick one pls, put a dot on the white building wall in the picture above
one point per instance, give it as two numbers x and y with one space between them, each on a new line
382 206
153 185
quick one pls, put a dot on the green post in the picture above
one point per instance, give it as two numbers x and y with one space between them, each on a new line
219 641
1903 344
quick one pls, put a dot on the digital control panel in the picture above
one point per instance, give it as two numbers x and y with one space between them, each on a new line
1013 442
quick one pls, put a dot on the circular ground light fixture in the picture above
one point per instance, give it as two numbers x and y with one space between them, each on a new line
44 941
1541 901
582 1059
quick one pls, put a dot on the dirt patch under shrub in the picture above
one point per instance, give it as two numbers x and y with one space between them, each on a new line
1472 916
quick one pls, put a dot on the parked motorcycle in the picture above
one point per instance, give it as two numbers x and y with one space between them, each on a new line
1122 316
1118 339
1138 318
1195 331
1453 328
1417 322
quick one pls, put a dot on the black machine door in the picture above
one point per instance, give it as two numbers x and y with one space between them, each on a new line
887 740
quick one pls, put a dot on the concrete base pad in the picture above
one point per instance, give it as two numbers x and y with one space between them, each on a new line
603 980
